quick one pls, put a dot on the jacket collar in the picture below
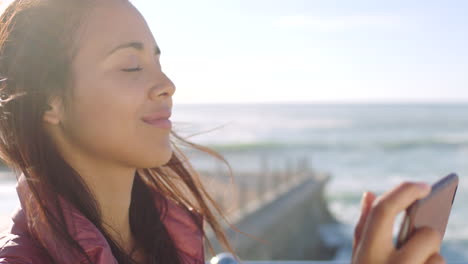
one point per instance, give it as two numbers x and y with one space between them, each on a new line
184 226
81 229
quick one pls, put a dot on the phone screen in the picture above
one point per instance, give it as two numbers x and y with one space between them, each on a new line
432 211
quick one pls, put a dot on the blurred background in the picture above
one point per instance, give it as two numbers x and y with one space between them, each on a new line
369 92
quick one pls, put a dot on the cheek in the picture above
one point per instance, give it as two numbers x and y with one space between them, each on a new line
104 109
97 125
105 123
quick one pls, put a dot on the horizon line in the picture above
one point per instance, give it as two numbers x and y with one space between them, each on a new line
333 102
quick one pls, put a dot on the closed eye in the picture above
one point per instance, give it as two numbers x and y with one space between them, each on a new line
157 53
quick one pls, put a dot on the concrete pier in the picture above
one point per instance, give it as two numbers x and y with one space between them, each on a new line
292 219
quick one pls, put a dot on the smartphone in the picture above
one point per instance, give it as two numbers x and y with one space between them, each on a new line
432 211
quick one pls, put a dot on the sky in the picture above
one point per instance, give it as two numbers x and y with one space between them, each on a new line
242 51
230 51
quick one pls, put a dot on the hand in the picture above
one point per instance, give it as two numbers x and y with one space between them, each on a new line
373 242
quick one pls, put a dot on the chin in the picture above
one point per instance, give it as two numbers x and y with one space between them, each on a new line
157 160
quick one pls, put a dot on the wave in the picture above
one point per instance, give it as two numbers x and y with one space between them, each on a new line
386 145
424 143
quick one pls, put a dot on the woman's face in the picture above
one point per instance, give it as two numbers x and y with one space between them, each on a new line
118 87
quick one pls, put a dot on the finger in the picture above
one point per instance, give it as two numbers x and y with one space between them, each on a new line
423 244
386 208
436 259
366 204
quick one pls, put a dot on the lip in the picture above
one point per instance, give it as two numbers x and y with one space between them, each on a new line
159 119
161 123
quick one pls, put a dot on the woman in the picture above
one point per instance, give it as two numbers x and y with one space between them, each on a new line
85 124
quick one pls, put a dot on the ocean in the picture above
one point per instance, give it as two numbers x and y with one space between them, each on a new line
364 147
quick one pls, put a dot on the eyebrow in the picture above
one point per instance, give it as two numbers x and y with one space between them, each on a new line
135 45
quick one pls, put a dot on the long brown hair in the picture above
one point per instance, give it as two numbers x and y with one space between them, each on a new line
36 51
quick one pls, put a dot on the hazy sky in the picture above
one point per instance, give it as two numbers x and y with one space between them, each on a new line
312 50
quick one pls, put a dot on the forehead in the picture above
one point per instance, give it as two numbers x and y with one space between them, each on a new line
110 23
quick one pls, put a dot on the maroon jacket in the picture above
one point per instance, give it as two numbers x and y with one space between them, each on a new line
19 246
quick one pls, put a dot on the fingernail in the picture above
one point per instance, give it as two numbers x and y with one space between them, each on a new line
424 186
363 199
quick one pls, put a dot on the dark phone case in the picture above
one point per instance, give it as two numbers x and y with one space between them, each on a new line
432 211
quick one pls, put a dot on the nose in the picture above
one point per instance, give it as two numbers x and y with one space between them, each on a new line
163 88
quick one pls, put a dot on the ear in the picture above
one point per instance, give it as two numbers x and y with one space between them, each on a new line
54 114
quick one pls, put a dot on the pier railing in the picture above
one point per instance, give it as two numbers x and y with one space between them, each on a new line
254 187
